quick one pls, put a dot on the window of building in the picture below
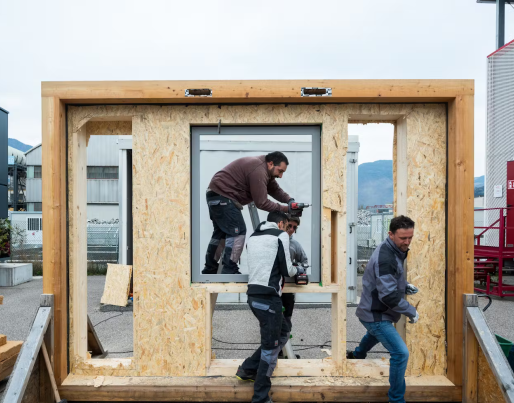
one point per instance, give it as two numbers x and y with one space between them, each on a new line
37 171
102 172
38 206
35 224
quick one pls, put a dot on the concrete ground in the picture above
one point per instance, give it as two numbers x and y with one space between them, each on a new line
231 323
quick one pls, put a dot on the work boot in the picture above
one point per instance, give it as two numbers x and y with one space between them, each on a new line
225 270
209 270
243 375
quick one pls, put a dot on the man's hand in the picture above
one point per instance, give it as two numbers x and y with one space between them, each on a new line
410 289
415 318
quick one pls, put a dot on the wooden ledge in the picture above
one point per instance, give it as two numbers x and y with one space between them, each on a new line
219 288
298 389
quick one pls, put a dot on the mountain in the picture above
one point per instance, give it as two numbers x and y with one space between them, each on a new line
19 145
479 186
375 183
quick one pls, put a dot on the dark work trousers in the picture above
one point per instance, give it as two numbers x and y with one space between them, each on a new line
229 235
274 335
288 304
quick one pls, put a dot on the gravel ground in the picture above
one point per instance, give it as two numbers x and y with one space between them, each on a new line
311 323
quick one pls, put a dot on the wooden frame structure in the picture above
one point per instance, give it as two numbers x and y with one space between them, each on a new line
313 380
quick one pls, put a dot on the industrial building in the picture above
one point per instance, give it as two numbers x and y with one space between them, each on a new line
102 178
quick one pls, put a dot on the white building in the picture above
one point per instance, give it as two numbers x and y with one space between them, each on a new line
102 178
500 127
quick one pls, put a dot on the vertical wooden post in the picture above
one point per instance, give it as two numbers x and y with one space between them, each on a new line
54 224
78 238
460 225
470 355
402 166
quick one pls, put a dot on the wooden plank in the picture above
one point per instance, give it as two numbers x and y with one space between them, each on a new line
402 166
54 222
6 372
1 299
219 288
3 339
326 247
8 363
470 371
460 226
257 91
78 245
28 356
117 285
334 247
9 349
303 389
93 342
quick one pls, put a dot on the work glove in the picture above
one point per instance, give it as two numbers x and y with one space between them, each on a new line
410 289
415 318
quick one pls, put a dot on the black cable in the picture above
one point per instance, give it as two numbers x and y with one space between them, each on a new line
110 317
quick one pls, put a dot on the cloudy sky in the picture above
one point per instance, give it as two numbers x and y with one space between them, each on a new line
226 40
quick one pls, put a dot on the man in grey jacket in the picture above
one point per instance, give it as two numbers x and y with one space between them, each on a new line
269 261
383 302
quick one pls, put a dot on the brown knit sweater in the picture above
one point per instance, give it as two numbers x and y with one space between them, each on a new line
247 179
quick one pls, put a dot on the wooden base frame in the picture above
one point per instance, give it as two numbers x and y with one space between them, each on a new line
458 94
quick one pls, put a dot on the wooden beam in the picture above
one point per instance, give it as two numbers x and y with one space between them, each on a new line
219 288
470 362
248 91
460 225
54 222
78 238
304 389
93 342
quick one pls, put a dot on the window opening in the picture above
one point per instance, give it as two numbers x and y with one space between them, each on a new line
95 172
213 149
37 172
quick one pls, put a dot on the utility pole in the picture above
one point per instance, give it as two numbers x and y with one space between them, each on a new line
500 19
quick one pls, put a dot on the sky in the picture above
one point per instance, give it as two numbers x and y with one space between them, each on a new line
230 40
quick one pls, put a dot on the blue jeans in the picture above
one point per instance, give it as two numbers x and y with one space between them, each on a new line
384 332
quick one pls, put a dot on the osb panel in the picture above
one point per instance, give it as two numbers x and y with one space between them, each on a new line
426 152
115 128
169 316
488 389
117 285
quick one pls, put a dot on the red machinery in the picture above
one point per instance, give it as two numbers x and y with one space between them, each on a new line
494 245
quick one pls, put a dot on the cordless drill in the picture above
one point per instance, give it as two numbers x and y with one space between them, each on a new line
296 209
301 277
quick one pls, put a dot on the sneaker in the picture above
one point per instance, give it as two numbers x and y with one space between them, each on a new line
230 271
209 270
243 375
350 356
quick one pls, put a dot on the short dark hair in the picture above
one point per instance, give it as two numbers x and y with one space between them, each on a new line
277 216
400 222
295 219
277 158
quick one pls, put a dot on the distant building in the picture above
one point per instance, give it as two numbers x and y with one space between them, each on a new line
380 208
3 162
500 128
102 178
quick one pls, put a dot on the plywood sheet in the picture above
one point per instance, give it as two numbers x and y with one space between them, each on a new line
3 339
488 389
117 285
169 315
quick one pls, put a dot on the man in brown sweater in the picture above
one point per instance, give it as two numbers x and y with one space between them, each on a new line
242 181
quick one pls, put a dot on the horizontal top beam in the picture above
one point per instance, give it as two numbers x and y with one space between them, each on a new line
248 91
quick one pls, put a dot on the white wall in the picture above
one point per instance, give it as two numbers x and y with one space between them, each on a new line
103 212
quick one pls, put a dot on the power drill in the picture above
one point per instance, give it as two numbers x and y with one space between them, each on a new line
301 277
296 209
